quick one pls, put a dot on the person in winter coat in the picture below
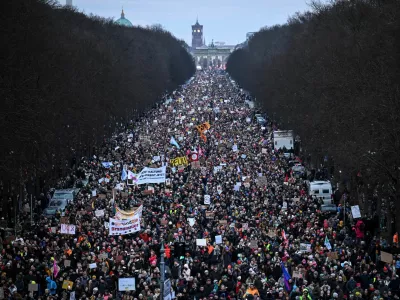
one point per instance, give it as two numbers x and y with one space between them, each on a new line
351 285
359 229
51 285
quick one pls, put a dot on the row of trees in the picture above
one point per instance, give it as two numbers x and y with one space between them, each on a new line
67 79
332 74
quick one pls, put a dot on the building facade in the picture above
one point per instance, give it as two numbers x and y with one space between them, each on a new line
197 35
213 55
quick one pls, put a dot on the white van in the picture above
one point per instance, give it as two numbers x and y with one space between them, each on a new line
321 189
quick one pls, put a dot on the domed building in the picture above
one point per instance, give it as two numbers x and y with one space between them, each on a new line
123 21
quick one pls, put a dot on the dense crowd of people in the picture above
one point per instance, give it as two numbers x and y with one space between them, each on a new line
234 222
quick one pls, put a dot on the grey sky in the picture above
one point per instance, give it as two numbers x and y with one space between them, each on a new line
223 20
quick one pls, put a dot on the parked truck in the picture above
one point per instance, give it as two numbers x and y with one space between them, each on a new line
283 139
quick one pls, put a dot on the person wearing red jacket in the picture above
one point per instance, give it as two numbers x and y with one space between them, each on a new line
359 229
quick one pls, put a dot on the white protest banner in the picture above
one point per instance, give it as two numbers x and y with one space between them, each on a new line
207 199
152 175
67 229
126 284
218 239
121 227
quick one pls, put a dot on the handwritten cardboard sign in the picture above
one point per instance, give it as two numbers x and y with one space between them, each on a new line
386 257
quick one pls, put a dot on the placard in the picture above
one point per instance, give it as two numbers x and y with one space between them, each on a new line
33 287
66 284
297 274
93 266
305 247
99 213
64 220
201 242
209 214
203 127
386 257
68 229
207 199
179 161
191 221
355 211
167 287
332 255
218 239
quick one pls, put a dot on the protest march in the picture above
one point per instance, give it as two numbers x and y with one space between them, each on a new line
198 175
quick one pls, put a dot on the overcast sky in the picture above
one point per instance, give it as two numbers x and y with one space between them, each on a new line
223 20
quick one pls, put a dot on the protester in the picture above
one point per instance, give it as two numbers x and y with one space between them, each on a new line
233 221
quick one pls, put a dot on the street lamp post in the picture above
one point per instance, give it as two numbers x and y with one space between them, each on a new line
162 269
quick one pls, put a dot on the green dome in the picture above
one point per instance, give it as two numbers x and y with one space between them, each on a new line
123 21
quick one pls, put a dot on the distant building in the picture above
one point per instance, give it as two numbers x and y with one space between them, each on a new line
213 55
197 35
123 21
